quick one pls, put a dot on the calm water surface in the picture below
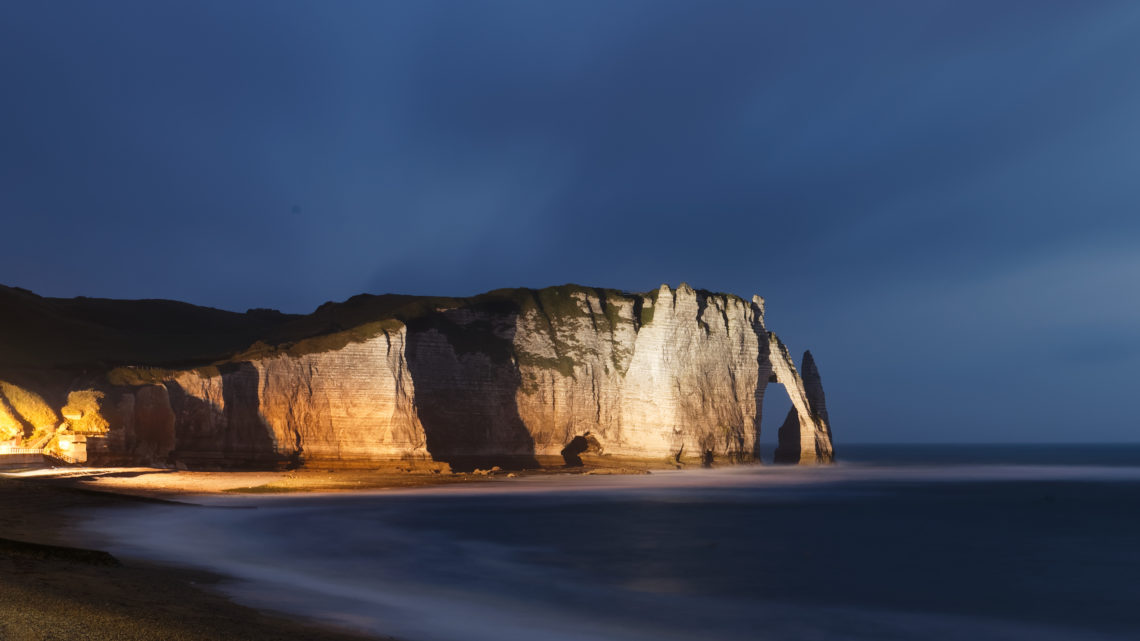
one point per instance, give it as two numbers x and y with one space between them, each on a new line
896 542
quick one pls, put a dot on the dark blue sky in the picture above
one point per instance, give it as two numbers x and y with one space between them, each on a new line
939 199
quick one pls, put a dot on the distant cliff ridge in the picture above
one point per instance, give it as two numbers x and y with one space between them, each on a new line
511 376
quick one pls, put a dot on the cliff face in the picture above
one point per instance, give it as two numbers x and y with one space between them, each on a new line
510 376
353 403
672 374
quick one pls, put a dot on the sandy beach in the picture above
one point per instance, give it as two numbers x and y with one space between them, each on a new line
49 592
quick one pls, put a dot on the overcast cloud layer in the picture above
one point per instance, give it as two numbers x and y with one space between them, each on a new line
939 199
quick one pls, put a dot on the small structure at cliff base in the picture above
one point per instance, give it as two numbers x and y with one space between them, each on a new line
515 378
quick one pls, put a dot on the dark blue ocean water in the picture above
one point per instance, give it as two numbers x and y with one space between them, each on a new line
896 542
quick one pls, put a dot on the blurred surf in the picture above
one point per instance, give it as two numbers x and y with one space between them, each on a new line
897 543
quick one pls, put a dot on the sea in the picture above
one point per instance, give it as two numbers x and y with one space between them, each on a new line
930 542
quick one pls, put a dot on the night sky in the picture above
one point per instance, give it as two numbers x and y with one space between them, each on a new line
939 199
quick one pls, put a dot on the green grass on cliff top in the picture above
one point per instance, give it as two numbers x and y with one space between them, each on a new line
102 334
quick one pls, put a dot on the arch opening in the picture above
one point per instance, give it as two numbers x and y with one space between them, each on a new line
772 415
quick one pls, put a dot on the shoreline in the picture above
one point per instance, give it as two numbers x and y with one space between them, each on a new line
53 585
179 484
43 592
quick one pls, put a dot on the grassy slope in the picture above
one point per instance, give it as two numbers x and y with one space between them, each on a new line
96 332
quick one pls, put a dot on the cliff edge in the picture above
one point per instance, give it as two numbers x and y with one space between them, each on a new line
512 377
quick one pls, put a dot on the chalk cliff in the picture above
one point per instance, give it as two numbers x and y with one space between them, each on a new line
511 377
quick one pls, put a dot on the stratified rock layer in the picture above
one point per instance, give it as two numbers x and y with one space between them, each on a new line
352 403
509 376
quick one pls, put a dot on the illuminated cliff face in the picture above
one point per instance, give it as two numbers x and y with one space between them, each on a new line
671 374
30 424
24 415
514 376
